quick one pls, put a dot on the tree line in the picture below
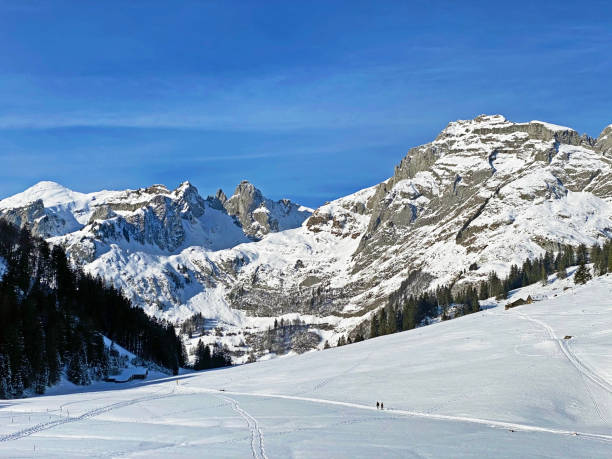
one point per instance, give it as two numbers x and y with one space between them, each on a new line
206 359
53 316
405 311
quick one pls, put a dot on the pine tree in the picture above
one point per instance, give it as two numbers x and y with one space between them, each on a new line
583 275
582 254
549 262
383 322
5 377
495 285
409 314
484 291
203 358
17 384
77 370
473 300
561 265
568 256
374 327
543 274
220 356
391 322
41 381
599 260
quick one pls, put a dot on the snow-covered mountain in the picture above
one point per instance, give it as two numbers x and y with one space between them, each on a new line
485 193
153 219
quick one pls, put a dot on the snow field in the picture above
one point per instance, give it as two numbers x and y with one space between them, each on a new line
492 384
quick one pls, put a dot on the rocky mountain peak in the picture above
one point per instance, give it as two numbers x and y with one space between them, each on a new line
220 195
245 200
604 141
258 215
460 182
487 125
190 200
156 189
51 193
185 187
246 191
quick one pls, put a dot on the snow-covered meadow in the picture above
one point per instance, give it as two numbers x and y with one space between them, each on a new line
492 384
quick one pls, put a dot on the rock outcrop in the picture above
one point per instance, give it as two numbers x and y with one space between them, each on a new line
604 142
259 216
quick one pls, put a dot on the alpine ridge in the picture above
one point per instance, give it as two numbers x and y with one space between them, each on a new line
485 194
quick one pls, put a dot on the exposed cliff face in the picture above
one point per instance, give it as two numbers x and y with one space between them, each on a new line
465 198
260 216
604 142
34 215
486 191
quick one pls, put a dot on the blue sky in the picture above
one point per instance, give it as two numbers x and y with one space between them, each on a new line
308 100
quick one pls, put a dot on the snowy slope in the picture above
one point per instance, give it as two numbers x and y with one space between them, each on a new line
492 384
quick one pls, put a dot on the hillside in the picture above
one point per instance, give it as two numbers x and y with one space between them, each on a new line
501 383
57 323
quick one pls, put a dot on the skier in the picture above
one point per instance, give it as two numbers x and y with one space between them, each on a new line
382 406
377 405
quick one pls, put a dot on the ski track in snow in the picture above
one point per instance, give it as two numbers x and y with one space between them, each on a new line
88 414
442 417
257 438
582 367
585 371
326 381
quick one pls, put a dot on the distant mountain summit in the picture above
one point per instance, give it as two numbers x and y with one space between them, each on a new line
259 216
604 142
485 194
153 219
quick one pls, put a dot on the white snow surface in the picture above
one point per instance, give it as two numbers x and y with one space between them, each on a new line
62 200
552 127
492 384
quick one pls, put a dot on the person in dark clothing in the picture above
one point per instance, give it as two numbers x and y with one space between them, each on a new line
382 406
377 405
